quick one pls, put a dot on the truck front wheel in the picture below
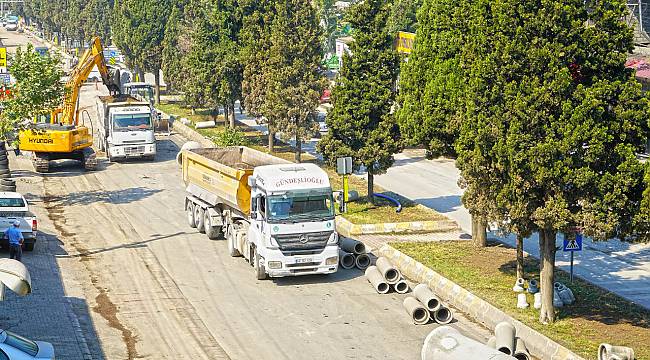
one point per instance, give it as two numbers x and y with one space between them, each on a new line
260 271
189 210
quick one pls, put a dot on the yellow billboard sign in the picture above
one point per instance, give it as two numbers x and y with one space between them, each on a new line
404 42
3 57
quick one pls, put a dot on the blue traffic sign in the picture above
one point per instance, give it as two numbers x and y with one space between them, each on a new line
573 244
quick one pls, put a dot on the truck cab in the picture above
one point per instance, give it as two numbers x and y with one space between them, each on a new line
127 130
292 218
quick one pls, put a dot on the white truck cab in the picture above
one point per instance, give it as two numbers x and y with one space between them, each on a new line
126 128
292 218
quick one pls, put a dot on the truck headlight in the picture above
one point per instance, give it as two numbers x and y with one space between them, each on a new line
332 260
274 264
334 239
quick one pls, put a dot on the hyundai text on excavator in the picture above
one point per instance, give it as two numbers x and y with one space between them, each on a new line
59 134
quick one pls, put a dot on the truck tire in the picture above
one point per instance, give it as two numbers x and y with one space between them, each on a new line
213 232
230 238
189 210
29 247
199 217
260 271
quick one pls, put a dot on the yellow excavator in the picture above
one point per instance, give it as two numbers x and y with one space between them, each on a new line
59 134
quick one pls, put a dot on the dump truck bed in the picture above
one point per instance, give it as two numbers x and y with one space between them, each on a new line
220 175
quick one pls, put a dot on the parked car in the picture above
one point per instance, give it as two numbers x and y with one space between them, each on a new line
13 206
16 347
12 25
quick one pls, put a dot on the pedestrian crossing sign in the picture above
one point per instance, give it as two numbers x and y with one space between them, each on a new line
573 244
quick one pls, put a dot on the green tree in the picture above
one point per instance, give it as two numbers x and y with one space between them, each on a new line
361 124
556 146
295 83
255 57
37 91
403 16
139 30
177 44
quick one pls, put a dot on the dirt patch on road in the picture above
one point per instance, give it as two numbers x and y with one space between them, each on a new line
107 309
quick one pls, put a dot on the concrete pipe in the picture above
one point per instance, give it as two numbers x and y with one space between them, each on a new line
446 343
505 334
533 286
519 285
558 285
374 277
521 352
443 315
402 287
426 297
566 295
353 246
205 124
190 145
390 273
418 313
346 259
557 300
492 342
610 352
362 261
522 302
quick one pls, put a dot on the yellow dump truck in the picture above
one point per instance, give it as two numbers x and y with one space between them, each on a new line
278 215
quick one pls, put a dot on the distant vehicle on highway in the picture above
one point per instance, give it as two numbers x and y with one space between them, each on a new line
16 347
13 206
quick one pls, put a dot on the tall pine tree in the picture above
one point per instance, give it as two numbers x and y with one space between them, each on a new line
361 124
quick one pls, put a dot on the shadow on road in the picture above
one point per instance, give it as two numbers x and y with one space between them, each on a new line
442 204
48 313
132 245
339 276
122 196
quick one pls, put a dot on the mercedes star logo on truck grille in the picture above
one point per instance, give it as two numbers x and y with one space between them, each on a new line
303 239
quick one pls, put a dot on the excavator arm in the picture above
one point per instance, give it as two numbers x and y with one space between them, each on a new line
69 114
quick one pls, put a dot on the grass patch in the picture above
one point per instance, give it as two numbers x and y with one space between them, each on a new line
359 212
597 316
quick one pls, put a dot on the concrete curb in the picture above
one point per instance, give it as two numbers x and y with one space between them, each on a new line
348 229
480 310
189 133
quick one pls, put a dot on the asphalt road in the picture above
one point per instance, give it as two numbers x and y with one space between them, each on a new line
160 290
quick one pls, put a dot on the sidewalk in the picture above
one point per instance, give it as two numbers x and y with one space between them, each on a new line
621 268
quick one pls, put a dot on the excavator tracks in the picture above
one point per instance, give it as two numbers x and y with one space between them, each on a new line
41 163
89 159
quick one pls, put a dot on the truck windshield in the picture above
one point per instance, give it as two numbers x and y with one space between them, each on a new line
301 206
125 122
11 202
144 93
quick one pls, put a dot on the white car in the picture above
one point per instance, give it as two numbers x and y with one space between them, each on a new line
13 206
12 26
16 347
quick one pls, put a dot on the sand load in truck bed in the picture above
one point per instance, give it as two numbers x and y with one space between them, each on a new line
220 175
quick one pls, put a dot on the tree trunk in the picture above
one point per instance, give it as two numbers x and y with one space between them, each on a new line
520 257
231 113
156 76
271 139
298 148
547 275
226 111
371 187
479 231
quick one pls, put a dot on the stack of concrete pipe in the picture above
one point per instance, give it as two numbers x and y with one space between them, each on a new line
429 301
506 341
384 276
610 352
352 253
447 343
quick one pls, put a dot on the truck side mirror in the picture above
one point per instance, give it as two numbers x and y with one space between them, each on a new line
254 215
252 182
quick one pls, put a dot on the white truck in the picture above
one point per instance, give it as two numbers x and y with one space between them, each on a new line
125 128
13 206
278 215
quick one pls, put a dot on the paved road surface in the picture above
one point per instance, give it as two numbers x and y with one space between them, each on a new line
619 267
160 290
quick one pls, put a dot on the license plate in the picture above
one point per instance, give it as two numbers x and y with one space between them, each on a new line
304 260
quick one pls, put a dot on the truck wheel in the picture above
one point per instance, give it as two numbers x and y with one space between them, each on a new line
29 247
199 217
189 210
260 271
230 238
213 232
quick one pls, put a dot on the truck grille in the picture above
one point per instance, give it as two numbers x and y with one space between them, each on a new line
293 244
134 150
